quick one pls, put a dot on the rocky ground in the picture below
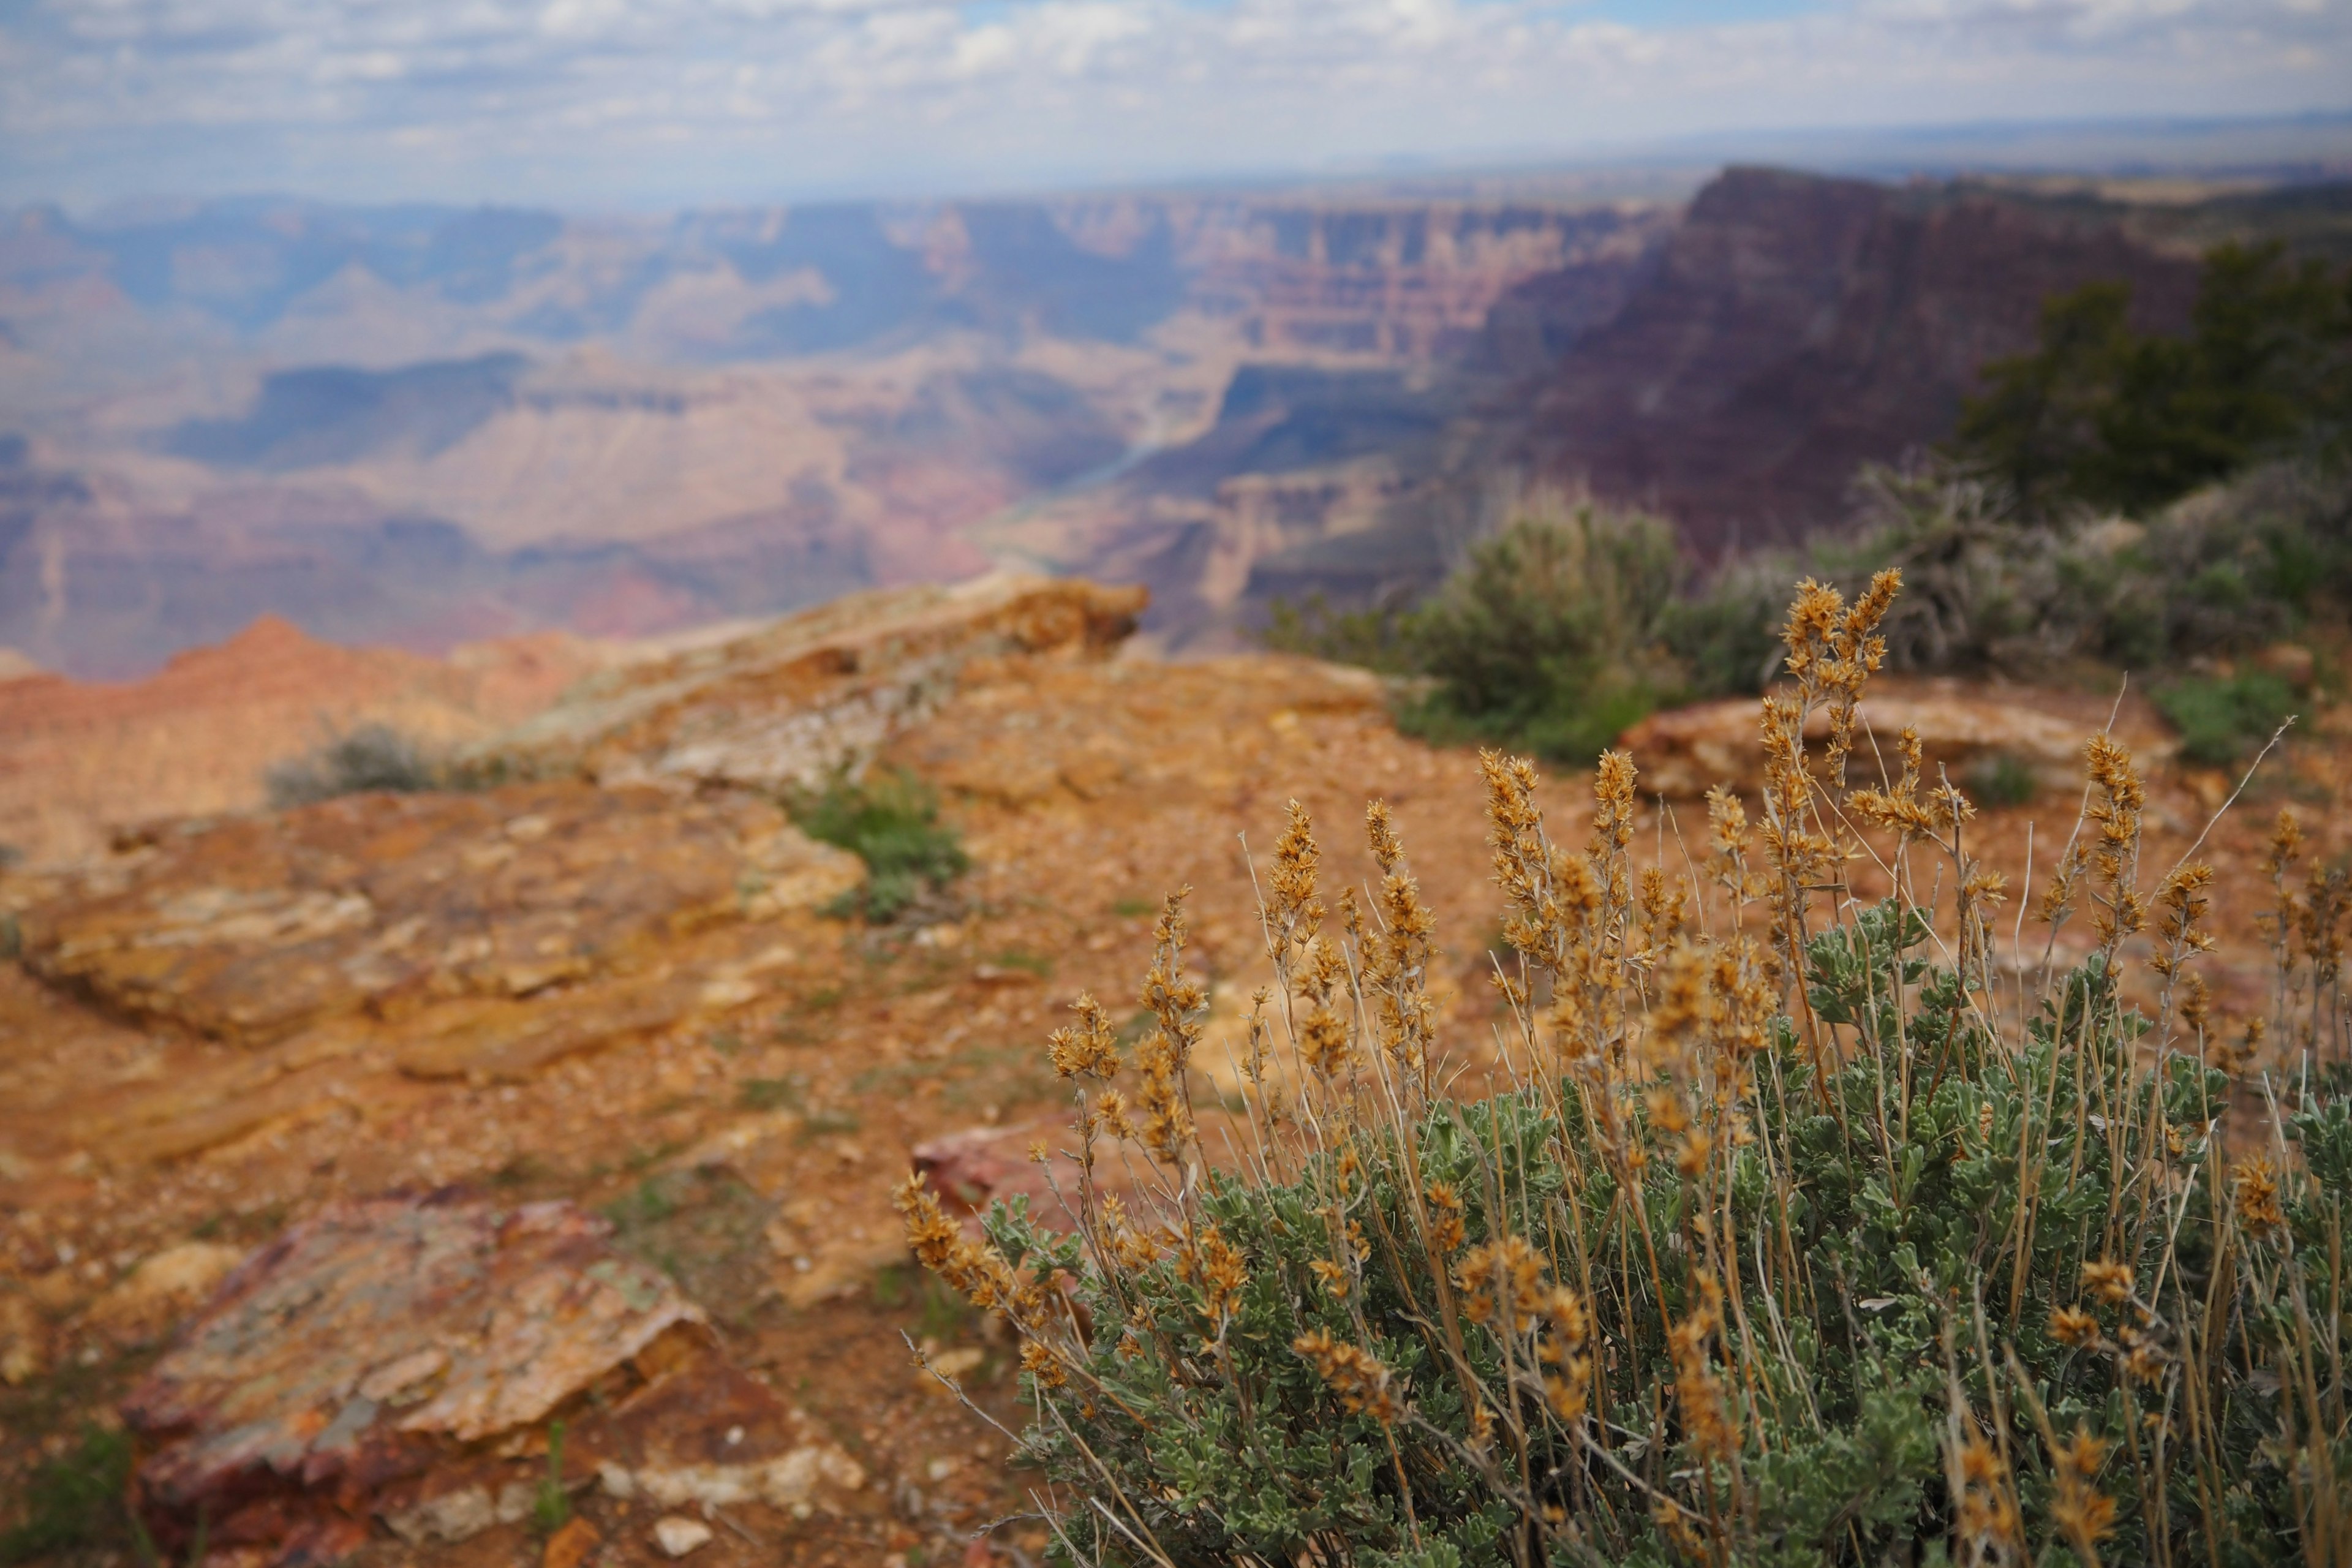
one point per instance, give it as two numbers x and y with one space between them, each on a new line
616 985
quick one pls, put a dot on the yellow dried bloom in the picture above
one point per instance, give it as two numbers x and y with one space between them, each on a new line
2109 1282
2257 1197
1292 912
1446 1228
1365 1386
1988 1516
1505 1284
2086 1515
1038 1360
976 1271
1706 1421
1323 1040
1219 1269
2143 1358
2074 1326
1088 1047
1179 1003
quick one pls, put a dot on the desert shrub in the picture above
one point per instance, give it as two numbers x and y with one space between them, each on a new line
1803 1232
2222 572
368 757
2224 719
2100 413
2001 779
1549 634
78 1504
1552 635
891 821
1724 636
2229 569
1376 638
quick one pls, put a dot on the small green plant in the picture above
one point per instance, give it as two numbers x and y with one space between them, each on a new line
890 821
370 757
523 1170
1026 963
2002 778
786 1093
1133 908
647 1204
1378 638
79 1503
550 1503
826 1123
2225 719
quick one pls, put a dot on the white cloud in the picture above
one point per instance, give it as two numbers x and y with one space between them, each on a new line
588 100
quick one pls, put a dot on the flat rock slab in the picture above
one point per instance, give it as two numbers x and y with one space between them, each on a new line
376 1340
813 693
251 929
1684 752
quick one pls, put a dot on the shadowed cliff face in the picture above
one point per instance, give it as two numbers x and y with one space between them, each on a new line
627 428
1795 328
1787 331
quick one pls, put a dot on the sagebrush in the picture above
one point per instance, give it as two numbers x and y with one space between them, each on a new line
1787 1227
891 821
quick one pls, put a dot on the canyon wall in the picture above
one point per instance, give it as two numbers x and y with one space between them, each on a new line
423 425
1795 328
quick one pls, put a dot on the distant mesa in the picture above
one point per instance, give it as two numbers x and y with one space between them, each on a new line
336 413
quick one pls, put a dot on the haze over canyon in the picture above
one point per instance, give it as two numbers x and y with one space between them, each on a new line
426 426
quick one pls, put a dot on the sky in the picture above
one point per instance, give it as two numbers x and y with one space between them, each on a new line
628 104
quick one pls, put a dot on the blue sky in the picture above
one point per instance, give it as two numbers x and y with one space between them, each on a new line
635 103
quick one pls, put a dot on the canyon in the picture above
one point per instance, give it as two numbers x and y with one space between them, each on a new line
430 427
426 426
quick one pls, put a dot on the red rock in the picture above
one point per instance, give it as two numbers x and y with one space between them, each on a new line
1796 326
374 1339
805 695
80 758
569 1546
1685 752
250 929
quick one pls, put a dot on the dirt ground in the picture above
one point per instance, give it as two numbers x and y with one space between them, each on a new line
749 1150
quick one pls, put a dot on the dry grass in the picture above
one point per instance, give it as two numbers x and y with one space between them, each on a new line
1797 1229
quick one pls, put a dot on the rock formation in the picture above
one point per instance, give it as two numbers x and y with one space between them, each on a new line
1796 327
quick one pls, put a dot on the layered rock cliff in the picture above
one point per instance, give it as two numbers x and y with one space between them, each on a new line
1795 328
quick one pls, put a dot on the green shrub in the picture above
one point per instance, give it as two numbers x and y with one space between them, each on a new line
2223 721
2101 413
551 1502
79 1503
1550 634
1378 637
2001 779
890 821
1726 636
1811 1234
1987 587
370 757
787 1093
